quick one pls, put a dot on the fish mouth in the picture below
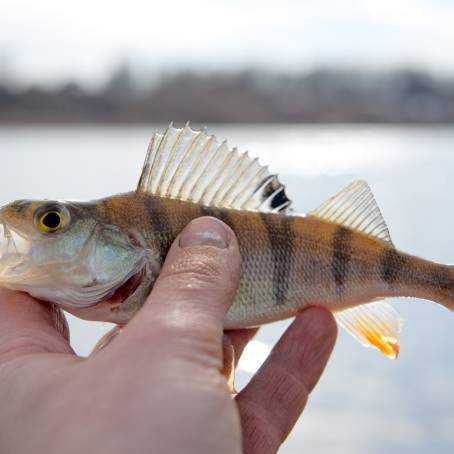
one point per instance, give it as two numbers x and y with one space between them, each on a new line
125 290
15 252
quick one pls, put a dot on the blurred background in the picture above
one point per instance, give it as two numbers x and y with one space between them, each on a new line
227 61
324 92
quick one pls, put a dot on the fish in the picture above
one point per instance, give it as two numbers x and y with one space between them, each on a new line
99 259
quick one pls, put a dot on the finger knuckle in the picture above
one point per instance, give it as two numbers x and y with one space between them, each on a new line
199 268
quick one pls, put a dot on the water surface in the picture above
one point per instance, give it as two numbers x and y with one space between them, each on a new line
364 402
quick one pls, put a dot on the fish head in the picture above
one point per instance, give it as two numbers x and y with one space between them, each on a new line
63 253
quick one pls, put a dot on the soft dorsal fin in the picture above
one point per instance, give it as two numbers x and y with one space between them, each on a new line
355 208
193 166
375 325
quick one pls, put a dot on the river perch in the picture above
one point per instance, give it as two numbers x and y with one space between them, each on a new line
99 259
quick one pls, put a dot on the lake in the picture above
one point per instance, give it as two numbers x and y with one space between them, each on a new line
364 402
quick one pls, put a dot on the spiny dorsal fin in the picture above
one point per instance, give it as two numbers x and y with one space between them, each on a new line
375 325
355 208
193 166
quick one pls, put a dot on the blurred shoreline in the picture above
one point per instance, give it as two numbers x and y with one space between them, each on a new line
322 96
338 126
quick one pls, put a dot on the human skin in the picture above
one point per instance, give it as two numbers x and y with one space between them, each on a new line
158 386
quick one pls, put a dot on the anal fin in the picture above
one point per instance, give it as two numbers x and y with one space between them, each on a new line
375 325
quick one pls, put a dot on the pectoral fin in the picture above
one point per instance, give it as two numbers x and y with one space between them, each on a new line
228 368
107 338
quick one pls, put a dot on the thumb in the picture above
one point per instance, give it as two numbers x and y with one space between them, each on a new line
29 326
193 292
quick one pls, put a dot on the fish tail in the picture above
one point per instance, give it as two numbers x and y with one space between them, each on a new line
450 301
427 280
440 286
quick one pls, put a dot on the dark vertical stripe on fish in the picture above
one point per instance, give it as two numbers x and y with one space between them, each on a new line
391 266
160 224
219 213
340 259
223 215
280 237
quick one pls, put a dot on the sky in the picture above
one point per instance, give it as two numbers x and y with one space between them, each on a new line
52 41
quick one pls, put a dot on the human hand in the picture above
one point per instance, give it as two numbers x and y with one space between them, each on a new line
156 387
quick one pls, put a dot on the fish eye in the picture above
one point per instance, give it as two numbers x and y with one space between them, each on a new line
51 220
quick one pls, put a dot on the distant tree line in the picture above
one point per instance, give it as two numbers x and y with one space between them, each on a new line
324 95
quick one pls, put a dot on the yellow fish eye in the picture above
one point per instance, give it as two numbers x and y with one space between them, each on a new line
50 221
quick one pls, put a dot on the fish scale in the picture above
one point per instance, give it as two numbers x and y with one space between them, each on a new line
101 260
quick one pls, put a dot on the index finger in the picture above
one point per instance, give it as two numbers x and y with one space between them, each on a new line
274 399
